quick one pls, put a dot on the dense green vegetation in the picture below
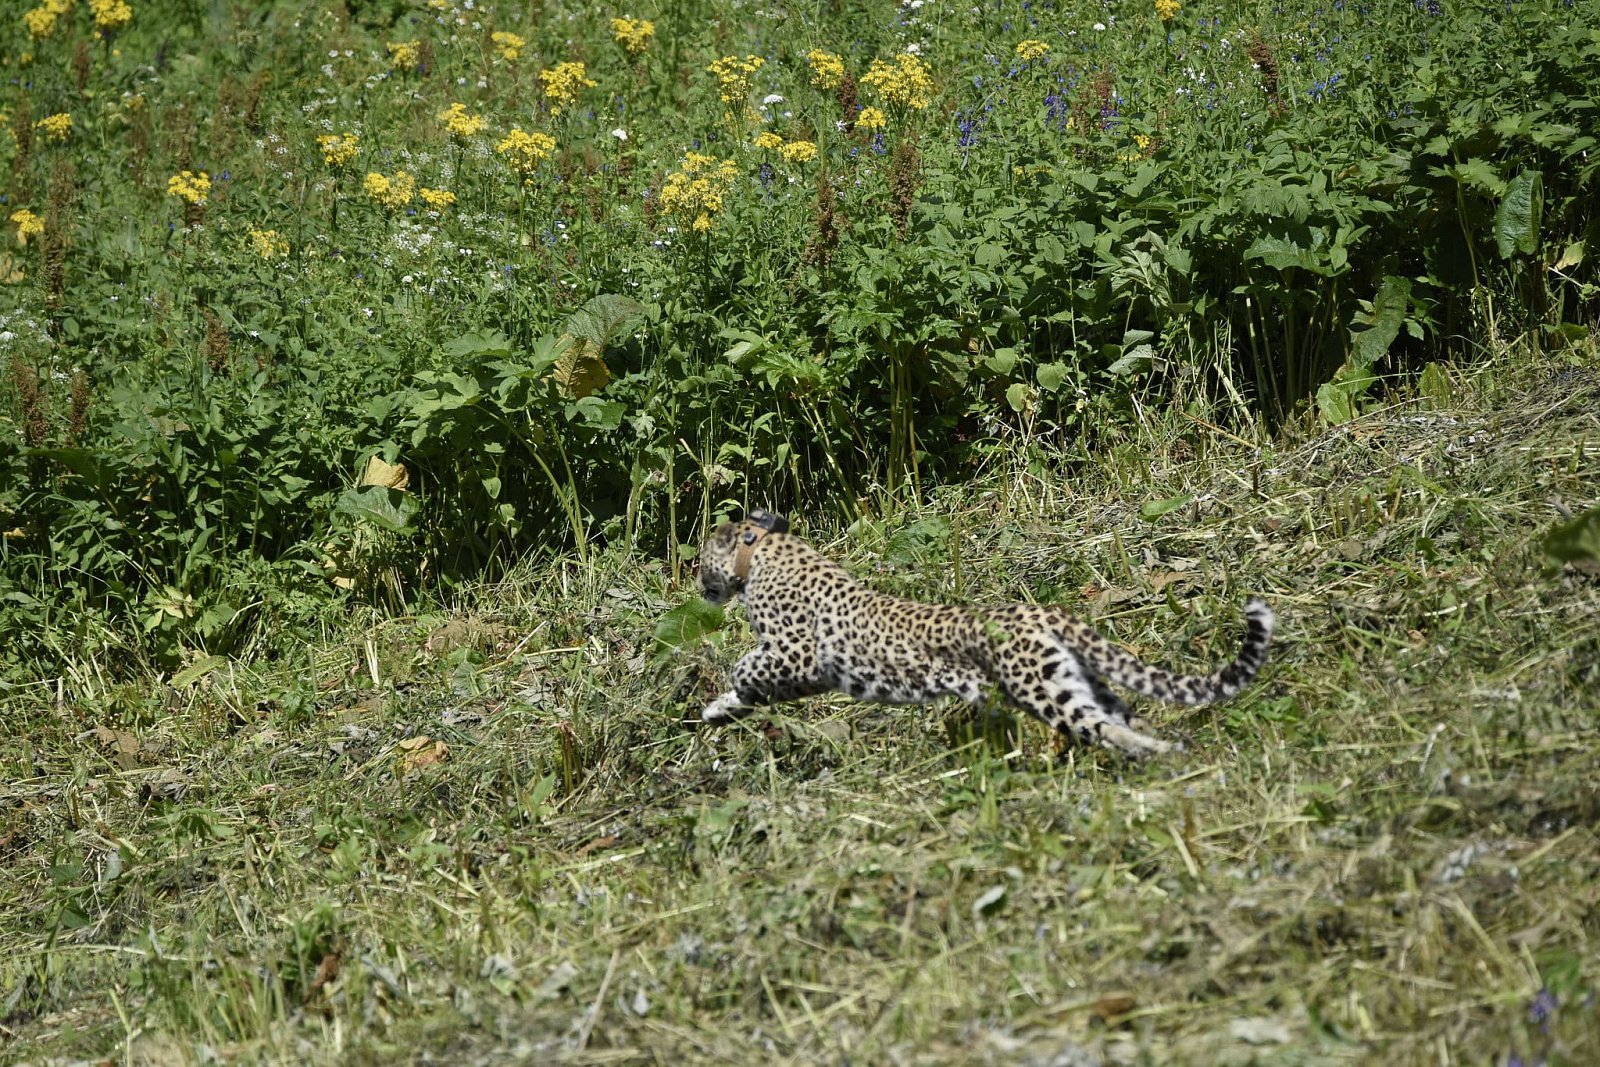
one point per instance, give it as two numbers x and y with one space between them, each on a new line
755 255
369 372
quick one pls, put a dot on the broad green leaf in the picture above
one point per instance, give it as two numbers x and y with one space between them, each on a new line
1516 223
1337 399
1575 541
197 670
919 542
1052 376
1152 510
686 624
1019 396
392 509
1137 360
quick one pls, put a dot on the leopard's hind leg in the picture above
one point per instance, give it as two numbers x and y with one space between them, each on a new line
1050 682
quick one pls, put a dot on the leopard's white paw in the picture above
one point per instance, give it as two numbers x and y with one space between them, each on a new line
722 709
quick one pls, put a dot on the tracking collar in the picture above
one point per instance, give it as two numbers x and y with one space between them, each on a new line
756 526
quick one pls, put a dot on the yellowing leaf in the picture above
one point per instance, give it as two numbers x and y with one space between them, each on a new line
10 273
419 752
388 475
580 370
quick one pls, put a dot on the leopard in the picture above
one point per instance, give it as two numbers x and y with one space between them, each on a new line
818 630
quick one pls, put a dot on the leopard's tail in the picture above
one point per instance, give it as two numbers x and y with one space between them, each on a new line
1127 670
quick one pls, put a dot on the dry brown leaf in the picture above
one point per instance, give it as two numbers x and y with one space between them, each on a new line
327 971
419 752
1111 1006
388 475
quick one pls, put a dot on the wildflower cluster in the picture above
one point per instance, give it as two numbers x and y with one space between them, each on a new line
1030 50
110 15
338 149
733 76
393 192
509 45
791 151
827 69
41 21
1166 10
55 127
905 83
633 34
190 186
563 82
268 244
460 123
871 118
28 225
695 190
438 199
405 55
524 152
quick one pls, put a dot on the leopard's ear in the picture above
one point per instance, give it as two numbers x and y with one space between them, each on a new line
770 521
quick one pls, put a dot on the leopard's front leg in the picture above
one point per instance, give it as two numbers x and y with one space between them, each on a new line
768 673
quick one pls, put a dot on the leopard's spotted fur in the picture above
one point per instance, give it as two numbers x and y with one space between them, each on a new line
820 630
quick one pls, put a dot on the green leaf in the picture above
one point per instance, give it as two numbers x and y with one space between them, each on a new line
686 624
1152 510
394 510
1137 360
1338 399
1019 396
1576 540
197 670
920 542
1052 376
1516 223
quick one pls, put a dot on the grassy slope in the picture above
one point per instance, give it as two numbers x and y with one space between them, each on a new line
1386 846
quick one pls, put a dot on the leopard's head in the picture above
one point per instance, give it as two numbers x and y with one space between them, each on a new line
725 557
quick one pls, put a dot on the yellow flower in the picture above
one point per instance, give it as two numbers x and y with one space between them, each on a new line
695 190
1030 50
28 225
509 45
110 15
563 82
405 55
633 34
438 199
871 118
768 139
906 82
733 76
799 151
338 149
394 192
268 244
55 127
524 152
1167 9
190 186
41 22
459 122
827 69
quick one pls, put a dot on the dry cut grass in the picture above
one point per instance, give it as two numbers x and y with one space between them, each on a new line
487 834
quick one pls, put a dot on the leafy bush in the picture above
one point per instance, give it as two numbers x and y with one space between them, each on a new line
609 284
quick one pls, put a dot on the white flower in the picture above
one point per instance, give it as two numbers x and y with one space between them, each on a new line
620 134
772 98
914 49
1099 27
